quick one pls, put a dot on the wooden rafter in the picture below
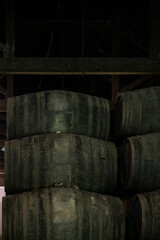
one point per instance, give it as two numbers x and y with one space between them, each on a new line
95 66
135 83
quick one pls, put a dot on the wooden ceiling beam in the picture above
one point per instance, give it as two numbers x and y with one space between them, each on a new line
76 66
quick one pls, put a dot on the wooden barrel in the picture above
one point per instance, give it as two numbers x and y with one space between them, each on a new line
138 112
140 162
66 159
144 216
62 214
57 111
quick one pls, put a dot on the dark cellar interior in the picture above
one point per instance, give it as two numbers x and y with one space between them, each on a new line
99 48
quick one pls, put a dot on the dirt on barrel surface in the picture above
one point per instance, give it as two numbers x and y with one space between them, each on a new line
62 214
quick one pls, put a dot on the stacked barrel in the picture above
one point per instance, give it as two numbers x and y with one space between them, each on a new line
58 168
137 116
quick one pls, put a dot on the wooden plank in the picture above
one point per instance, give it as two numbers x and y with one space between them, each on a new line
95 66
2 180
3 106
135 83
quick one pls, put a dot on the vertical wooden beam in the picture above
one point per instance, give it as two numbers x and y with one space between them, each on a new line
155 29
115 53
9 86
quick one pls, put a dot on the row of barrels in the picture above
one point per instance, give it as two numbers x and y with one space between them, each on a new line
48 153
138 121
36 118
136 113
89 163
69 214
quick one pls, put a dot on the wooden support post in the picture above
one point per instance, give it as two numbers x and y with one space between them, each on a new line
155 29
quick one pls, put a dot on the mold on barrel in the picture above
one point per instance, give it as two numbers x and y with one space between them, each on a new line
67 159
57 111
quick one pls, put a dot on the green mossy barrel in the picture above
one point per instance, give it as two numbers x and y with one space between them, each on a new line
65 159
138 112
57 111
140 162
62 214
144 216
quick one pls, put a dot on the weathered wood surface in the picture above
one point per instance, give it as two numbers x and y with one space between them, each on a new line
96 66
61 213
140 162
144 216
138 112
58 111
49 159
